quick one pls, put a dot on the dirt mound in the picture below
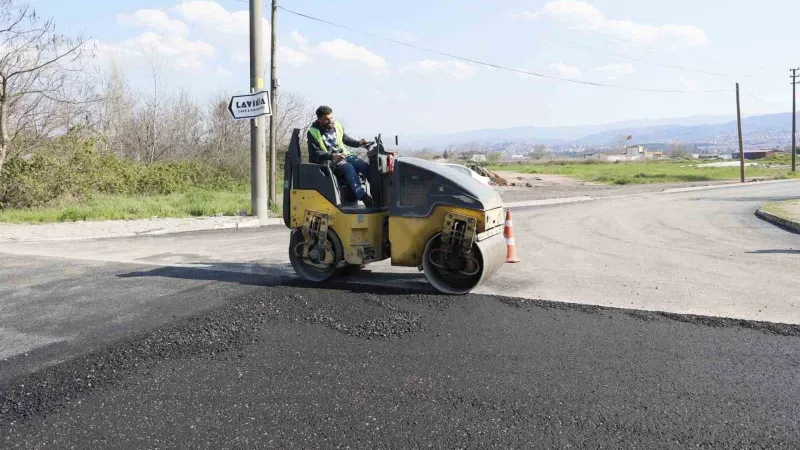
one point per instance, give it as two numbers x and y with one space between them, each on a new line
497 179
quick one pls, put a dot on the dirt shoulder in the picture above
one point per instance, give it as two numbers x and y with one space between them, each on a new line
785 214
544 186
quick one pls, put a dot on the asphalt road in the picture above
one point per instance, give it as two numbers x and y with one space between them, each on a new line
374 368
701 252
196 340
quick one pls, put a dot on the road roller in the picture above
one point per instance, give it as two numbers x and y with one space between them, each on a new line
423 215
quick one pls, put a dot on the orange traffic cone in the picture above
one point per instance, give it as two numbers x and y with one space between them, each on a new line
511 247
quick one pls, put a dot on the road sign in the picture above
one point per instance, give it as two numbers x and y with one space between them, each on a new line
250 106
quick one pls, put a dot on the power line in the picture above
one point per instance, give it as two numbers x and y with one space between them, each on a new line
496 66
620 55
762 101
647 47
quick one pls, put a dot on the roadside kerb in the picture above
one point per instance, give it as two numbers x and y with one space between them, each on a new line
725 186
789 225
73 231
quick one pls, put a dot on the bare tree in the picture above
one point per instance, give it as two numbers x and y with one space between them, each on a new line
293 112
677 150
539 151
40 79
494 157
116 112
621 141
227 141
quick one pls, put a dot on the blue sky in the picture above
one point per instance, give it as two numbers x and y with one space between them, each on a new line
378 86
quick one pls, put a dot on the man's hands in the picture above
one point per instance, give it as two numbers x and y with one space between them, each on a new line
337 158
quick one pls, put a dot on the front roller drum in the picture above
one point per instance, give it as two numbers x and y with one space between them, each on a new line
466 274
322 259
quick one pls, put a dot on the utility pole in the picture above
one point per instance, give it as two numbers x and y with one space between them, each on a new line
739 120
258 157
794 119
273 118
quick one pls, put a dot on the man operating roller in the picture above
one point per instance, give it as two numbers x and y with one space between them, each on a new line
327 143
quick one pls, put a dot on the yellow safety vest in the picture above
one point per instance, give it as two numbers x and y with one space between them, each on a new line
315 132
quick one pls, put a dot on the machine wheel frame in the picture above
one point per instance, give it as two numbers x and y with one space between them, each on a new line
308 272
433 273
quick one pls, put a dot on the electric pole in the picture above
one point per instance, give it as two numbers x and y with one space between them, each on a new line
739 120
258 157
273 118
794 119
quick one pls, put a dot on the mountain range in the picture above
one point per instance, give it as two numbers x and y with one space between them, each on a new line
692 129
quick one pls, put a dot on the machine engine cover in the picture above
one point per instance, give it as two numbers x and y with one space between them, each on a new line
419 185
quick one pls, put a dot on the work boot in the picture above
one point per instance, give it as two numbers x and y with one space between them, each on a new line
367 199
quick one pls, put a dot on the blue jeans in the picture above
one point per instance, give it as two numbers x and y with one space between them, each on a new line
350 168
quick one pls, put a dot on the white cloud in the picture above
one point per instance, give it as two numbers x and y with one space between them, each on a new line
614 70
344 51
429 67
192 33
209 24
213 15
293 57
153 19
175 51
587 16
298 38
230 29
565 70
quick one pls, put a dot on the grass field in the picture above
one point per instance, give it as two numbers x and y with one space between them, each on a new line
193 203
634 172
789 210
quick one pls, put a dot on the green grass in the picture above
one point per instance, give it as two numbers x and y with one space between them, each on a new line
781 209
195 202
647 172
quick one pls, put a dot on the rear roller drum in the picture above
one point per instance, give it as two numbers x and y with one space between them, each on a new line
323 257
459 274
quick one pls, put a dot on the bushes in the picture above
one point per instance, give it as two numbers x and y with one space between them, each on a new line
75 169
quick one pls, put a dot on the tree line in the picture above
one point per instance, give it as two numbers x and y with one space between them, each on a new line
48 89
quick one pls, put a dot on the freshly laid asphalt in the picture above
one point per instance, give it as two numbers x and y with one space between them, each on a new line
371 367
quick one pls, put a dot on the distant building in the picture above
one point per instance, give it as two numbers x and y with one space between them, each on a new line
754 154
654 155
634 151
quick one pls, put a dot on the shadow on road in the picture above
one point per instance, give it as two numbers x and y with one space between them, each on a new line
248 274
786 251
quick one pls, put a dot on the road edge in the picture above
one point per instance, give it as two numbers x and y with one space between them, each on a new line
110 229
781 222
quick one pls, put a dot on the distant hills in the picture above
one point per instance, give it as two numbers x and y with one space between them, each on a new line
766 128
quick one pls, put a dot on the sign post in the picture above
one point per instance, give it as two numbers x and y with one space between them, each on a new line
250 106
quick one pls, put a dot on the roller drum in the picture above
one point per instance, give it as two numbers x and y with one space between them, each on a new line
490 254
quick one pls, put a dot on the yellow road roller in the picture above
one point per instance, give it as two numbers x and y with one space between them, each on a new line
424 215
